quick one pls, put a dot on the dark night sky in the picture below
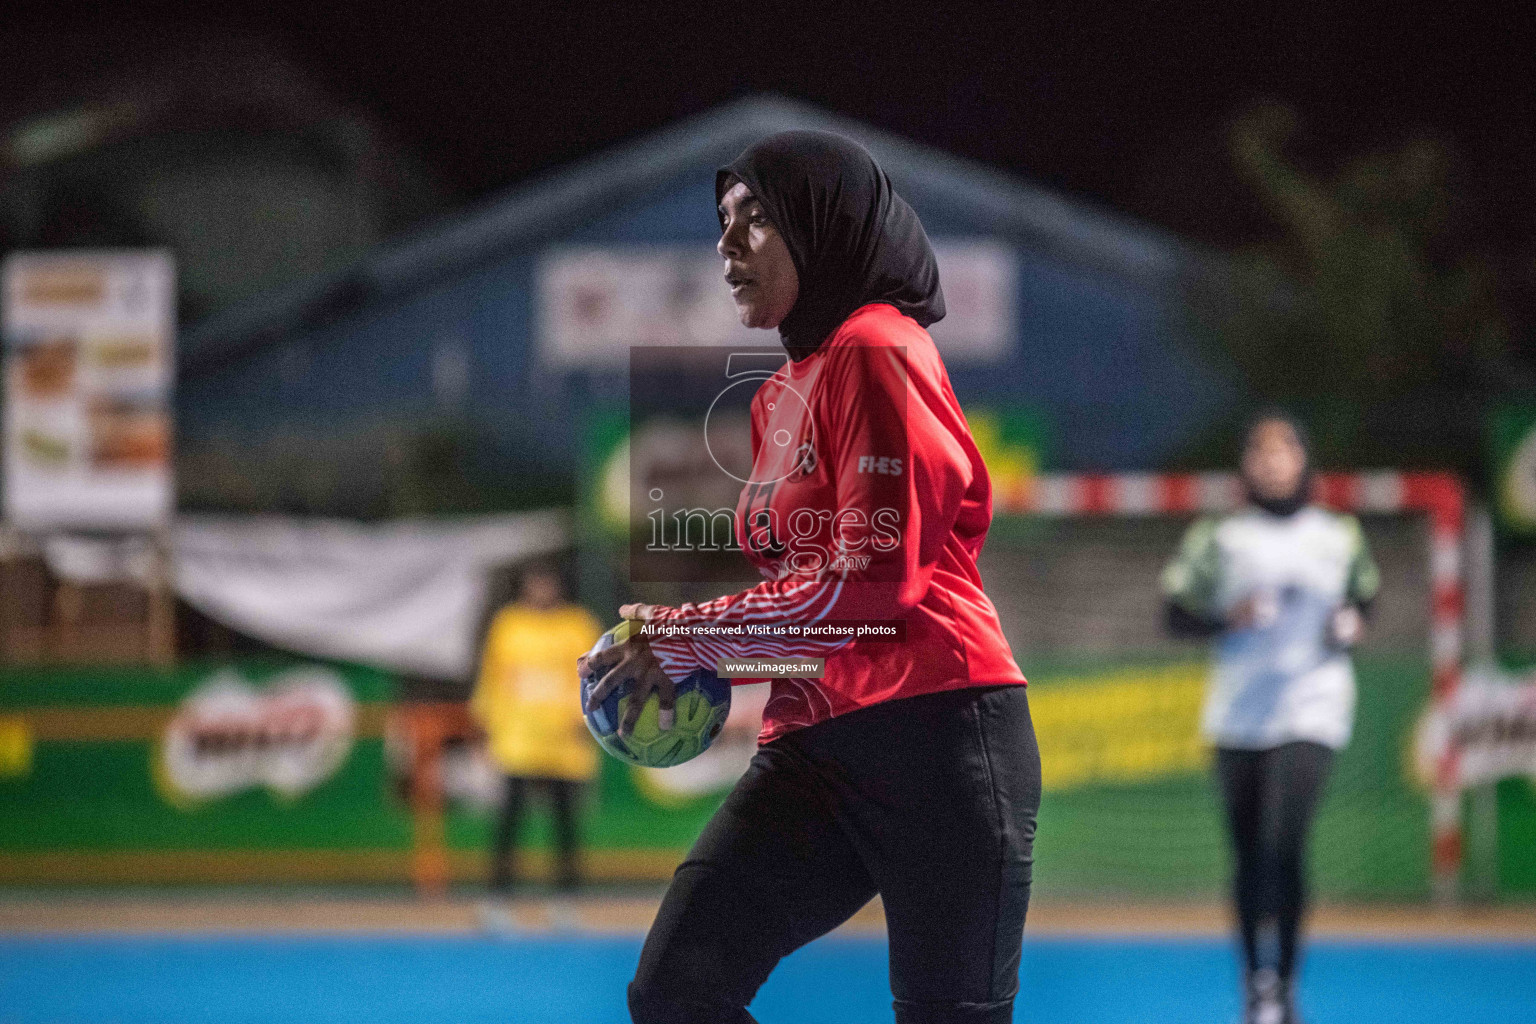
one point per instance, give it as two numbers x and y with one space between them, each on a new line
1124 104
1124 108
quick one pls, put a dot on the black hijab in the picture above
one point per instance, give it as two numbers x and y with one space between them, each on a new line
853 239
1302 495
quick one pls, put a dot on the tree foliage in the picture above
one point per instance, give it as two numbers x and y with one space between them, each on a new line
1372 312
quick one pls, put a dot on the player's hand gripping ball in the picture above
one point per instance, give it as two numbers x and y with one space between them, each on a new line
703 700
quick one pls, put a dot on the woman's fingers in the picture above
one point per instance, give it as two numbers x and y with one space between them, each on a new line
1241 615
637 698
605 685
595 698
609 683
643 612
666 693
650 679
1347 625
603 660
631 663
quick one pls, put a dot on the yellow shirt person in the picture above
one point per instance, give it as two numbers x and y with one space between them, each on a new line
527 697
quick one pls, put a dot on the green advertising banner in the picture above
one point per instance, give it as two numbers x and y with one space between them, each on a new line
199 773
267 772
290 772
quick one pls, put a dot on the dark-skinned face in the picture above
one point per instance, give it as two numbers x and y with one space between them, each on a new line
758 267
541 590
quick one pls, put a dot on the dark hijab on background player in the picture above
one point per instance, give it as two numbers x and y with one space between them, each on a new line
852 238
1283 501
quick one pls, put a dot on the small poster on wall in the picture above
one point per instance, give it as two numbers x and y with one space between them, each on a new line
594 303
89 362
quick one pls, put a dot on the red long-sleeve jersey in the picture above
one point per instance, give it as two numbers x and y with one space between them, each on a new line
868 502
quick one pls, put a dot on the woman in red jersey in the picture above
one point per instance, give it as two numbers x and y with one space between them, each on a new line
908 769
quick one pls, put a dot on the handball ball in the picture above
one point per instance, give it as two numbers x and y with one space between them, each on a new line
703 702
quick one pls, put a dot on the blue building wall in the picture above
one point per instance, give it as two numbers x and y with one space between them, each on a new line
1104 356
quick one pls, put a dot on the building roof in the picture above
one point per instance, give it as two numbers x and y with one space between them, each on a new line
1065 228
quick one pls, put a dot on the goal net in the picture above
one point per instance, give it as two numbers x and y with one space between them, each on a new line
1130 809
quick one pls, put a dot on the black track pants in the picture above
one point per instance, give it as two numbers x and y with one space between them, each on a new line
563 797
929 802
1271 797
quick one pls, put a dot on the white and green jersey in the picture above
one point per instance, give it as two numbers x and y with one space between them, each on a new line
1280 679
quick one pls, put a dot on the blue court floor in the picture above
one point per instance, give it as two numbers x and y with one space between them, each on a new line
580 980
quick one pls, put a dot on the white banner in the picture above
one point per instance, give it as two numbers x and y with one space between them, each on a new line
407 596
89 360
596 302
1486 732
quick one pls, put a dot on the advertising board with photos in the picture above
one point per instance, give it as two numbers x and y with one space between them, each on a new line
89 364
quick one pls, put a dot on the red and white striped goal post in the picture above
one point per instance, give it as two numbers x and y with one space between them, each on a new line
1438 496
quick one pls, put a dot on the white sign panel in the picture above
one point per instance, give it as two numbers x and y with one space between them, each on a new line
596 302
1484 733
980 281
89 343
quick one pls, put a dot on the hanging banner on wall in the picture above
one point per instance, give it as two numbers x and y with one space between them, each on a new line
406 595
1485 733
596 302
89 358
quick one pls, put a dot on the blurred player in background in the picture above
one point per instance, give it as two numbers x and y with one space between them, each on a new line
908 770
1283 587
528 701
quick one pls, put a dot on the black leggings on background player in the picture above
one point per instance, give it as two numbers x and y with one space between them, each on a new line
1271 796
563 796
928 801
1283 587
